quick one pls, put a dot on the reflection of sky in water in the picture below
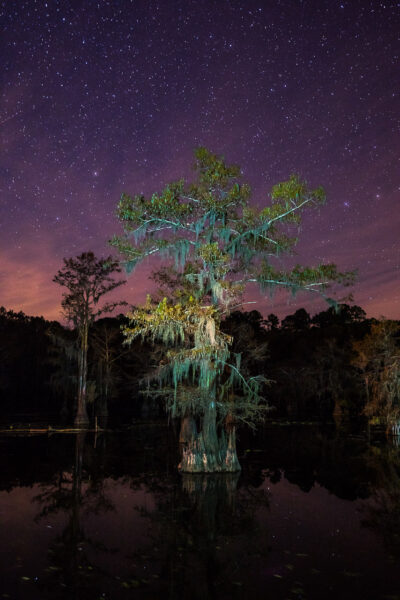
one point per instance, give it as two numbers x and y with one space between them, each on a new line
148 538
25 542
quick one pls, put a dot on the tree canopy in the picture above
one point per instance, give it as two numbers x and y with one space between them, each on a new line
219 244
87 278
211 229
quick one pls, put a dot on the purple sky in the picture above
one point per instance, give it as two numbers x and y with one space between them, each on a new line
101 97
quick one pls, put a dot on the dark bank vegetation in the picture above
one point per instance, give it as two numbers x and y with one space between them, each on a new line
333 366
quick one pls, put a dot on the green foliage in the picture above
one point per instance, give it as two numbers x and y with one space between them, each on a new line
198 364
219 244
211 224
313 279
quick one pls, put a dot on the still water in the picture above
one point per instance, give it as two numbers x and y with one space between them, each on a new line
313 514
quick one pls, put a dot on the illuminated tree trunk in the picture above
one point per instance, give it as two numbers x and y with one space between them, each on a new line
212 449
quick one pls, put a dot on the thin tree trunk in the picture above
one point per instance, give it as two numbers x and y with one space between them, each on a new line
102 411
82 419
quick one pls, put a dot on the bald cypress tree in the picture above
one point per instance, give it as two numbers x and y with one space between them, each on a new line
87 279
219 244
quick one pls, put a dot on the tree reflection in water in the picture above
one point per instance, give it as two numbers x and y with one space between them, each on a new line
202 528
129 526
198 528
77 495
383 513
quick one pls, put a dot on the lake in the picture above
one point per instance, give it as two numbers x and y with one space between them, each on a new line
314 514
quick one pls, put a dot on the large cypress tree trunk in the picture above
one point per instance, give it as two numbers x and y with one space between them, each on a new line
212 449
188 430
232 464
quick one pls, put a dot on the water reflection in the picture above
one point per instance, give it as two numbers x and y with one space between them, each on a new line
200 527
382 515
77 494
313 514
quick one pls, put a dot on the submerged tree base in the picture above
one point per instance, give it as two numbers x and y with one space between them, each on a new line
219 457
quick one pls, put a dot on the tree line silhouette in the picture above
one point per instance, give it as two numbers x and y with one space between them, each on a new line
335 365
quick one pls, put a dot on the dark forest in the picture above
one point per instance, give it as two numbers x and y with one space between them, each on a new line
335 366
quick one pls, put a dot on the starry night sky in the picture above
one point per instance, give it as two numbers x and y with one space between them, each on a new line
101 97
